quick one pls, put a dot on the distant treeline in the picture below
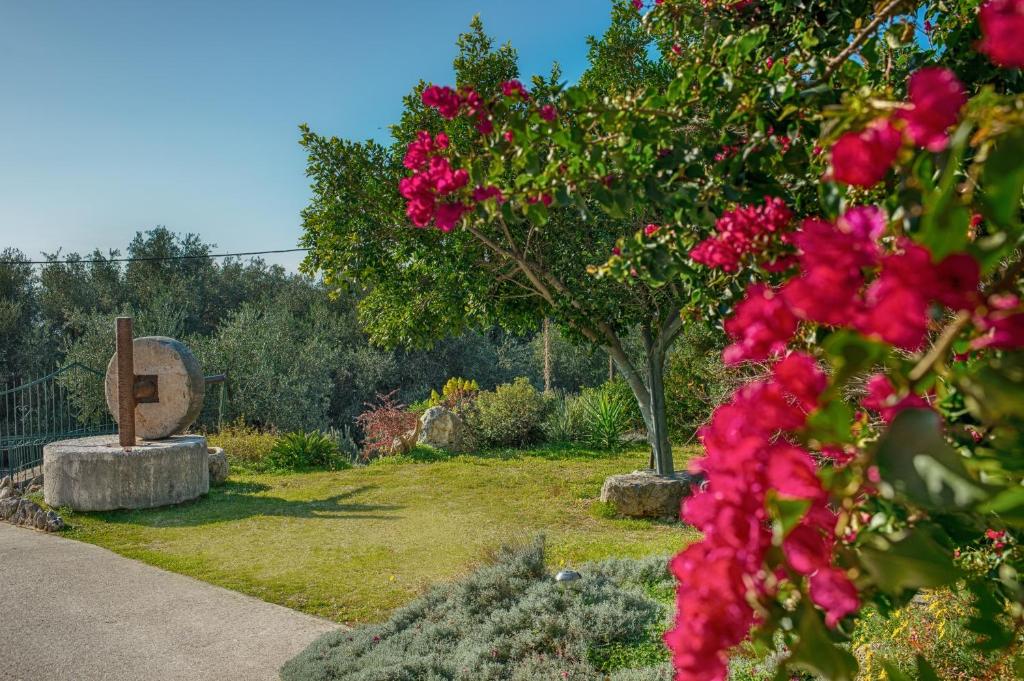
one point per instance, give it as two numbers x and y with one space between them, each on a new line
295 356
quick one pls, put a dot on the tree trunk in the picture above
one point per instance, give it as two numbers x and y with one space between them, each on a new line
611 368
657 432
547 355
650 396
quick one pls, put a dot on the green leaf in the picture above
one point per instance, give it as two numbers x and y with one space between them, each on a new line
925 671
1008 505
992 390
946 220
1003 182
787 513
817 653
851 354
915 561
831 423
916 460
893 672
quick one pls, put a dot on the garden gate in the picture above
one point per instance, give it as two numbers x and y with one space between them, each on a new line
64 404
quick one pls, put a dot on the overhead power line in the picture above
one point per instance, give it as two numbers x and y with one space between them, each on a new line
149 259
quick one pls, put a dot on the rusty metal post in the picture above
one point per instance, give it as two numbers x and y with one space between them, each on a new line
125 383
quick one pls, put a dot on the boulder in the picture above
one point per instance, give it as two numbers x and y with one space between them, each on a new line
642 494
219 468
441 428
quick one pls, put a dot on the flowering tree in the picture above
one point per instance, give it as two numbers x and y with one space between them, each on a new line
850 172
512 268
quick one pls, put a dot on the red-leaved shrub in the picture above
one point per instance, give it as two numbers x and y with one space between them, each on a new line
384 421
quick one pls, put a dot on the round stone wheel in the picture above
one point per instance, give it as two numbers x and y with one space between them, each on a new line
180 387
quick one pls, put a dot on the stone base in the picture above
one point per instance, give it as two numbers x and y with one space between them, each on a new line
642 494
96 474
219 469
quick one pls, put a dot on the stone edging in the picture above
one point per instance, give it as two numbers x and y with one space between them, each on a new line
17 510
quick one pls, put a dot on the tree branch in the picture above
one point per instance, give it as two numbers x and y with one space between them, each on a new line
883 15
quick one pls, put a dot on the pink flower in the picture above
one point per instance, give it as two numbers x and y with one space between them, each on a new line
509 136
444 99
484 124
807 549
832 591
936 97
481 194
882 398
1002 25
1003 330
801 376
994 534
832 257
743 230
513 88
651 230
433 179
761 326
548 112
638 4
448 215
863 158
791 473
616 250
896 304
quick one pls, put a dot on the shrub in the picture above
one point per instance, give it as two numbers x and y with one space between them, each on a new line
301 451
605 414
244 445
935 625
382 422
346 444
564 422
508 620
511 415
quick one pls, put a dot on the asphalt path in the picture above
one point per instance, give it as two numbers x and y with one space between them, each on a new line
71 611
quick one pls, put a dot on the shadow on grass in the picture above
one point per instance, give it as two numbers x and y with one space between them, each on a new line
236 500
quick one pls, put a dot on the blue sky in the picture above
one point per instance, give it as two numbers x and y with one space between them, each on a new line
117 116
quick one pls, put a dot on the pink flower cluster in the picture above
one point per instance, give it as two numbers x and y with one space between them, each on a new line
743 230
724 574
1002 25
450 103
832 288
1003 325
433 179
935 99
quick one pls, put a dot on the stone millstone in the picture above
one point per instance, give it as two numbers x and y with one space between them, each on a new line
180 385
97 474
642 494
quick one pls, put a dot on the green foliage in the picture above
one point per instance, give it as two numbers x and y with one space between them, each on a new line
511 415
422 284
696 381
934 625
606 416
347 445
244 445
565 420
300 451
508 620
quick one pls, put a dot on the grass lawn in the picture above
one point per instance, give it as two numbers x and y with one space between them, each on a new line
352 545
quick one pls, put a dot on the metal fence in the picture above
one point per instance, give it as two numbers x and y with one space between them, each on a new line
64 404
